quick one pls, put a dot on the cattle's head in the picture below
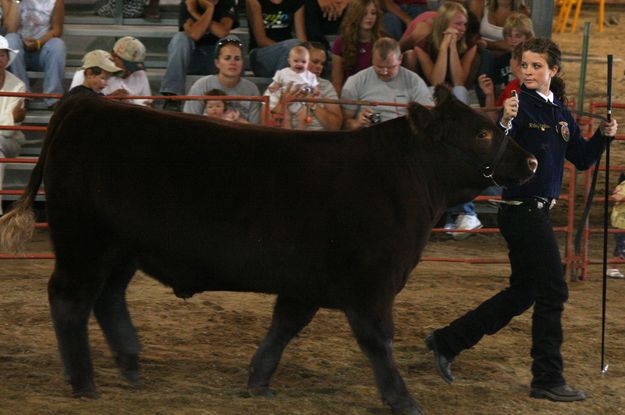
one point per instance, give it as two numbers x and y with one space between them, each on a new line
475 147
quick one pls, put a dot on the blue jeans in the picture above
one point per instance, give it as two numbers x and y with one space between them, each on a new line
185 57
50 59
393 24
266 61
463 209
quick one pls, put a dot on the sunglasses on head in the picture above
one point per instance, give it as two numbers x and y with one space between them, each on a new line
227 41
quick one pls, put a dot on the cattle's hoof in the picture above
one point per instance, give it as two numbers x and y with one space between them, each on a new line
85 393
132 377
413 410
261 391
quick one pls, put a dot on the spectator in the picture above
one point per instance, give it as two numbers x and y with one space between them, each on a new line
418 29
315 116
98 67
192 49
38 40
323 17
443 56
128 54
618 221
488 88
421 26
492 16
351 51
229 64
10 16
384 81
217 108
12 109
399 14
272 23
517 29
296 73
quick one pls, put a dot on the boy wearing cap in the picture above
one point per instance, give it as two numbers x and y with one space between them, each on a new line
11 109
128 54
192 50
98 67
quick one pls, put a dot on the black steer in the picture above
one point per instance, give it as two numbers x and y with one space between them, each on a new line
324 219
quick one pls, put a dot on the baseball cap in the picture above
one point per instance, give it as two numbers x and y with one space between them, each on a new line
4 44
99 59
132 53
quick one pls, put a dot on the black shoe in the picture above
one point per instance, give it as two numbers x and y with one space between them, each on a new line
562 393
442 363
172 105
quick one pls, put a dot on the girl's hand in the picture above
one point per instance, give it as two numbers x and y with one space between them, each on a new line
608 129
510 109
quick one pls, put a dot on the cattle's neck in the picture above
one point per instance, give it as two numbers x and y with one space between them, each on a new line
450 181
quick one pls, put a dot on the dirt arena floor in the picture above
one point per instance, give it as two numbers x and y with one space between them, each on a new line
196 352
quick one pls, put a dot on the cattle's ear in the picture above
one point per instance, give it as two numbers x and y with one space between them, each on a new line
419 117
442 94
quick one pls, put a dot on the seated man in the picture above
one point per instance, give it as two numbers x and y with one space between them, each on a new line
386 81
192 50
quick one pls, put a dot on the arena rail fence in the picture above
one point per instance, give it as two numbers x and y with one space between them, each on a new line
582 262
570 261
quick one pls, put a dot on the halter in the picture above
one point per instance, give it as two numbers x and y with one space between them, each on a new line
487 170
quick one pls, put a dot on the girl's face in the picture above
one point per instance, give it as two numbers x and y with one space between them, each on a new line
317 61
96 82
536 72
369 18
229 62
459 22
214 108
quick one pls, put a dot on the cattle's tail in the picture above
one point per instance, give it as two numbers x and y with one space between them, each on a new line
18 225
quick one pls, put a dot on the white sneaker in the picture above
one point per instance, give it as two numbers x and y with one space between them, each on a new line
450 226
614 273
466 222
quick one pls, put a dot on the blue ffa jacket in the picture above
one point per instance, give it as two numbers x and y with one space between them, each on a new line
549 132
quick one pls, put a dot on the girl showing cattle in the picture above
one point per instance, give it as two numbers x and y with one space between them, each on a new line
540 122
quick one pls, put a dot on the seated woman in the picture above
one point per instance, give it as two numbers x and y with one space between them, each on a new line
38 40
443 56
229 64
351 51
314 116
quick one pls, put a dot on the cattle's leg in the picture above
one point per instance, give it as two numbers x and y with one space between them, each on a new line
373 328
289 318
111 312
72 293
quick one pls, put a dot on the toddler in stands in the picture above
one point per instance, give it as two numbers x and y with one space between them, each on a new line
296 73
217 108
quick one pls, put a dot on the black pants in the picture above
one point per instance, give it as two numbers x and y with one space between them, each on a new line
537 278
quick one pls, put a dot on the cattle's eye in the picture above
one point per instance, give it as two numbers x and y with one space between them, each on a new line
485 135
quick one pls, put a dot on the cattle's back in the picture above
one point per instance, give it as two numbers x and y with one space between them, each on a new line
216 198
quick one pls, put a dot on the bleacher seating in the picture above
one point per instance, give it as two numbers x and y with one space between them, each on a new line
84 31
